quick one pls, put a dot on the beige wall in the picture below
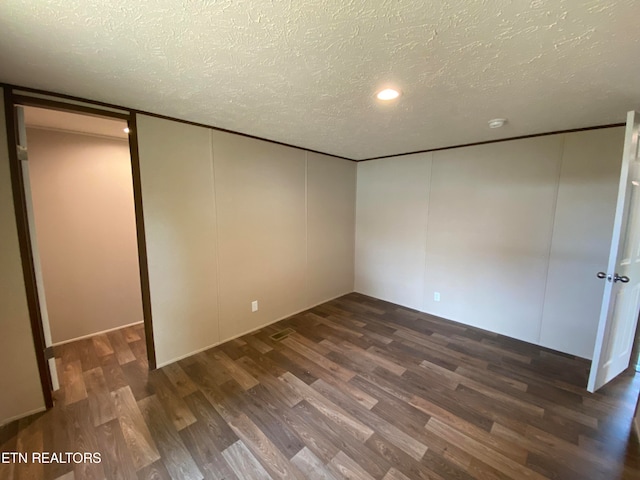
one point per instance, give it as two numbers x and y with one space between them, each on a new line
506 225
331 201
489 232
392 207
180 225
583 223
260 189
85 225
19 378
228 221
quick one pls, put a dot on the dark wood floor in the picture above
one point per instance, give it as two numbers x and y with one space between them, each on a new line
363 389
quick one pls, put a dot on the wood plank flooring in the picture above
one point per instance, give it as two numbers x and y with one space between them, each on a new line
363 389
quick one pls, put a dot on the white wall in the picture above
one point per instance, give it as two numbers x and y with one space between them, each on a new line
82 194
497 230
228 221
19 378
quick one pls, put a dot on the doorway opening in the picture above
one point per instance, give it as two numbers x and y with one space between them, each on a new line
76 186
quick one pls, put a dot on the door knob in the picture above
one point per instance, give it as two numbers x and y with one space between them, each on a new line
618 278
601 275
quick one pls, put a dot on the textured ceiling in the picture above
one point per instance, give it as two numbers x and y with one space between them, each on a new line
72 122
305 73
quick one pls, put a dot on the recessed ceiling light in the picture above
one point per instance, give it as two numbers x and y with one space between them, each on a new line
387 94
497 122
126 130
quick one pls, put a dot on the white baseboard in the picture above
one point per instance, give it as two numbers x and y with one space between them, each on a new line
22 415
181 357
94 334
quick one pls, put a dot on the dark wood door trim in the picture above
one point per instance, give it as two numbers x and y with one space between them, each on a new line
28 270
67 107
142 241
35 315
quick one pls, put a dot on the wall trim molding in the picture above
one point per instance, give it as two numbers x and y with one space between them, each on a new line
271 322
76 132
83 337
7 421
38 93
472 325
499 140
112 107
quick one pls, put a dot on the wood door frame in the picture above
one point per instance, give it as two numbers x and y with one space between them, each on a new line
11 100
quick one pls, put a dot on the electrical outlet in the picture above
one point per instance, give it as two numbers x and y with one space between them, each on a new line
254 306
436 296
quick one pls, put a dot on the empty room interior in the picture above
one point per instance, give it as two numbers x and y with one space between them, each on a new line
321 240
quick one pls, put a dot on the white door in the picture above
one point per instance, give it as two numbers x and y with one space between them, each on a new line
24 163
621 299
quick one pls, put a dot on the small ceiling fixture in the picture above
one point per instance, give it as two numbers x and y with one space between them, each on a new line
126 130
387 94
497 122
